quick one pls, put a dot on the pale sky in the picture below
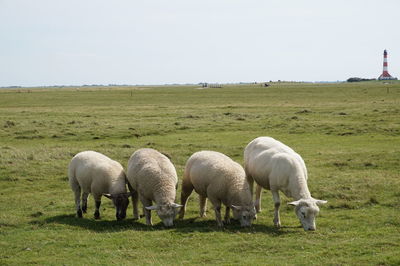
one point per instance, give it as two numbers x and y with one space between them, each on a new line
76 42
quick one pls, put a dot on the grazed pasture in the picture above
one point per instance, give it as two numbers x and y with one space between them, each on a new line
348 135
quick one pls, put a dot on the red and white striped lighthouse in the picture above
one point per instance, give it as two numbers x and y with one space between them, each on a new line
385 74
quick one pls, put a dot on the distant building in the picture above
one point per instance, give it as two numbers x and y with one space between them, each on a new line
385 74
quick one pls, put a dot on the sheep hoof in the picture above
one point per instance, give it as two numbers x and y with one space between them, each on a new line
79 214
96 215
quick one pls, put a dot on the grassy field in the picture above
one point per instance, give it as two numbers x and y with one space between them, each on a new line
348 135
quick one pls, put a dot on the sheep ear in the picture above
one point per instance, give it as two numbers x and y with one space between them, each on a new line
150 208
236 207
294 203
320 202
109 196
176 205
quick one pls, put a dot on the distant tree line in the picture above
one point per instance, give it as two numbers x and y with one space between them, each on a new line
355 79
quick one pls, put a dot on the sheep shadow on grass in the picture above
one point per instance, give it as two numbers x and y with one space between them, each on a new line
99 225
185 226
204 226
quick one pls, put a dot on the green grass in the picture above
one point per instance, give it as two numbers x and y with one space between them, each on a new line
348 135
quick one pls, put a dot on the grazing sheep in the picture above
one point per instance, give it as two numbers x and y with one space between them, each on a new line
95 173
215 176
154 178
275 166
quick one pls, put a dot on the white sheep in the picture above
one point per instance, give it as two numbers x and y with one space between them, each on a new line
153 177
215 176
275 166
95 173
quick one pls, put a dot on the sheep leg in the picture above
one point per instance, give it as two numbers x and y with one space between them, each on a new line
97 211
257 203
135 201
84 201
250 180
78 204
135 198
97 200
147 213
218 215
77 196
187 189
227 219
203 205
277 204
217 208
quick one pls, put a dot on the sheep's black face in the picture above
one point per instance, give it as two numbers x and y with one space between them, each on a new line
121 202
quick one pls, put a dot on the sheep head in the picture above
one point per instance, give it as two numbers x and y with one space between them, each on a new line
306 210
244 214
166 212
121 202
